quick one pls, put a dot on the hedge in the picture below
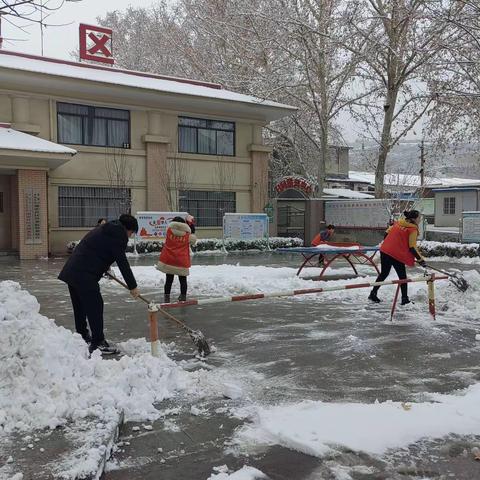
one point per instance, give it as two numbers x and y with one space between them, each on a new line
213 244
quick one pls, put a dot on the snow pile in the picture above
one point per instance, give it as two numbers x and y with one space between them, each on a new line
449 249
245 473
46 378
315 428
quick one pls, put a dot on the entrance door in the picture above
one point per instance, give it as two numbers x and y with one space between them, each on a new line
5 227
291 219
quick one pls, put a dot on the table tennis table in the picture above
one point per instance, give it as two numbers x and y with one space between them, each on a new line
328 253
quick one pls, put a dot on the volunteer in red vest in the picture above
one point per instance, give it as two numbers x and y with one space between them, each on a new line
323 236
175 255
398 250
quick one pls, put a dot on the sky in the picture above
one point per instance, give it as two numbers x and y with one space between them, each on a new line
60 41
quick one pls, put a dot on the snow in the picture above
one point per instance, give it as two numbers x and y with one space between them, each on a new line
132 79
245 473
47 378
317 428
11 139
346 193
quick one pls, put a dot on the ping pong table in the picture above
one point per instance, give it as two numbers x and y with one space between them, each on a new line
328 253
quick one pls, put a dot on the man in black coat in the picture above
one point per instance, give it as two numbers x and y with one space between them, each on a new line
90 260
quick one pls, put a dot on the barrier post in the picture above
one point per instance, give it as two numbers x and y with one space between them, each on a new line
154 340
431 295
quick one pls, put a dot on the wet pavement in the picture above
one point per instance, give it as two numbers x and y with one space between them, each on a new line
285 350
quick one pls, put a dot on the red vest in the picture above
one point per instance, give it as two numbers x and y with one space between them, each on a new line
396 244
176 250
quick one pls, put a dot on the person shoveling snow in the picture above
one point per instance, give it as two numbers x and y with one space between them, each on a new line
90 260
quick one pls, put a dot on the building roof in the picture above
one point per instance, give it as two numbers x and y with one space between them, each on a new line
11 139
411 181
134 79
345 193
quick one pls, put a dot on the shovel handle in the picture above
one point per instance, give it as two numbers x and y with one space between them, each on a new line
123 284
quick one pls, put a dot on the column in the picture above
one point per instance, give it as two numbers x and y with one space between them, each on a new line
32 214
259 155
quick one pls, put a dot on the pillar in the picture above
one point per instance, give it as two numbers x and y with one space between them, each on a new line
32 214
157 171
259 155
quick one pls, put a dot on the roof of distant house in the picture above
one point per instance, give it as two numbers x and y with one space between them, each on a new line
11 139
345 193
128 78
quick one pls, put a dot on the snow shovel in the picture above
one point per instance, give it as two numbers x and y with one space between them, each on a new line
460 283
196 335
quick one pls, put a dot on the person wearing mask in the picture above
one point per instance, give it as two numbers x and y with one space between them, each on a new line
398 250
90 260
175 255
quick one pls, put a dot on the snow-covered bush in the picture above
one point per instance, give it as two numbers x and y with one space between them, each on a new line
212 244
449 249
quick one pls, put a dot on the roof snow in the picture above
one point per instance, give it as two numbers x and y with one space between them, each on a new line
404 180
345 193
127 78
11 139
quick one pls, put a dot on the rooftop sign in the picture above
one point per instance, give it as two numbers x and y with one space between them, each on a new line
96 44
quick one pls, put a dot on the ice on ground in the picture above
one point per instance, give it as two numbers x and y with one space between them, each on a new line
245 473
315 428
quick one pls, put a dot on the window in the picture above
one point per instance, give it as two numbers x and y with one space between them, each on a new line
449 206
207 207
97 126
209 137
83 206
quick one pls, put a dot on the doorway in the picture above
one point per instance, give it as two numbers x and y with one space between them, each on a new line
5 213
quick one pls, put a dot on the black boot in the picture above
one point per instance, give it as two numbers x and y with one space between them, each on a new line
104 347
166 298
373 297
182 297
406 301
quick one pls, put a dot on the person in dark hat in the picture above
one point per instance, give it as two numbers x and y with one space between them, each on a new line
90 260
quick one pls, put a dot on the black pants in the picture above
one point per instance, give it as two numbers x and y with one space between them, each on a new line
387 262
168 284
88 304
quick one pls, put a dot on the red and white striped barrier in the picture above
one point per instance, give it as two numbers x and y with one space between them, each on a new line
305 291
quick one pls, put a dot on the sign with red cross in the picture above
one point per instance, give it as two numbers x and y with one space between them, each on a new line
96 44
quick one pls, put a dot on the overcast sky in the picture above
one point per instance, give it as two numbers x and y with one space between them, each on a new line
60 41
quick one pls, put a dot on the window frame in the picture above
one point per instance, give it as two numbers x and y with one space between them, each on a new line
109 195
90 116
206 127
194 206
448 202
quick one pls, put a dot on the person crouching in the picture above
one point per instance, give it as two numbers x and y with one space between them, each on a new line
175 256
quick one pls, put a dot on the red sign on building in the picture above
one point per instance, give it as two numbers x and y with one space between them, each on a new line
96 44
294 183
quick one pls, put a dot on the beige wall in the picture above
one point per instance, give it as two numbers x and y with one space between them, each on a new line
88 167
464 201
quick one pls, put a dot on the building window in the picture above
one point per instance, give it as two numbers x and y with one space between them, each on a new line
96 126
208 208
449 206
83 206
208 137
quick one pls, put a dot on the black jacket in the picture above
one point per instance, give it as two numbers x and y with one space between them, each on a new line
94 255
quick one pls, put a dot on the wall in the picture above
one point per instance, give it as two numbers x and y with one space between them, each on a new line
88 167
465 201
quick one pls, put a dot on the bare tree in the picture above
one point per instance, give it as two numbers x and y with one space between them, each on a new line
23 13
120 179
403 37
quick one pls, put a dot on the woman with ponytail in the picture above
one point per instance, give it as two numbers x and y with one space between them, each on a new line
398 250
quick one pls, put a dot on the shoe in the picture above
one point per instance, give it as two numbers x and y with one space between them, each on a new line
166 298
182 298
104 348
406 301
373 298
87 338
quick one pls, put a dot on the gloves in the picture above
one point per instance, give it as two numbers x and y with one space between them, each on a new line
422 263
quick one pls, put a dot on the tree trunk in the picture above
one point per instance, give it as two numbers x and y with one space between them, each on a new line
322 161
385 144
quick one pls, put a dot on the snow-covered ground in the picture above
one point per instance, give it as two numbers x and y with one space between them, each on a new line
47 380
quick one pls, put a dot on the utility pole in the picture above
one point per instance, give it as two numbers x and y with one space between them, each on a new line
422 163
